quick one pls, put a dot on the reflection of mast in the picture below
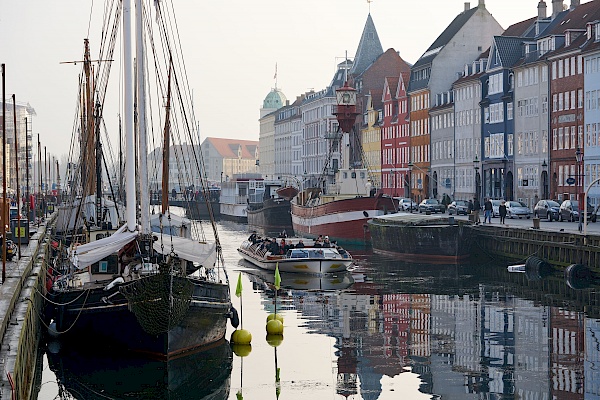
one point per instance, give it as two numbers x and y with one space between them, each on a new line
347 364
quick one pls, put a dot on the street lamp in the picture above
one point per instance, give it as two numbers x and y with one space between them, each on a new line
545 179
410 194
476 181
579 159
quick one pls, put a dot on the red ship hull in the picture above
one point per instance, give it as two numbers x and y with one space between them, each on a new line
344 221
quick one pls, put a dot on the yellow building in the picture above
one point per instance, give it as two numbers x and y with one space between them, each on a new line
371 137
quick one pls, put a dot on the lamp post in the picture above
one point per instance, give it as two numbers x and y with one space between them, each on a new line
476 177
579 159
410 194
545 180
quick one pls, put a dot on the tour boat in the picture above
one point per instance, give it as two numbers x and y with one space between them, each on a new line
308 260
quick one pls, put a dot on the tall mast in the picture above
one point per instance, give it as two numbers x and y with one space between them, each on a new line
3 173
141 106
17 175
89 132
166 148
129 127
28 200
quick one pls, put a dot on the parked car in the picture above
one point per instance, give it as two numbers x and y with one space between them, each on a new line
569 211
458 207
405 204
495 208
517 209
548 209
431 205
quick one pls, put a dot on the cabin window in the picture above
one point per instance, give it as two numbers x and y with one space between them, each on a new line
353 175
345 174
103 266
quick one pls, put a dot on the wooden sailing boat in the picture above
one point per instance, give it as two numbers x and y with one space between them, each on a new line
133 288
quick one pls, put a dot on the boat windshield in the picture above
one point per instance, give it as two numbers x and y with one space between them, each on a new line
313 253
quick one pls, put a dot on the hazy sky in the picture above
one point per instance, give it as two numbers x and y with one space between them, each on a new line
230 46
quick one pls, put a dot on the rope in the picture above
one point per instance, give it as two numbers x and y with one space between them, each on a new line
74 322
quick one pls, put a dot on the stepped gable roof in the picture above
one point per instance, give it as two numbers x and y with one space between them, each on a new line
369 48
509 49
392 83
228 148
451 30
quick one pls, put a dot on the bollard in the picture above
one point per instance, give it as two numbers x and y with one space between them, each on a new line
536 223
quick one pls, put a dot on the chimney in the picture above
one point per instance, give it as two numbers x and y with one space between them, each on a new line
542 10
481 4
467 6
557 7
574 3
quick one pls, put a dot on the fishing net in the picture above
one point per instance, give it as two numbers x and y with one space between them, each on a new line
159 301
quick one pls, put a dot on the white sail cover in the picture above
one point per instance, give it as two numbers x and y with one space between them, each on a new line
204 254
177 226
67 214
85 255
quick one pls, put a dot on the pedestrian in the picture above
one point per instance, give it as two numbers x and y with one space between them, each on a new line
476 209
502 211
470 207
487 208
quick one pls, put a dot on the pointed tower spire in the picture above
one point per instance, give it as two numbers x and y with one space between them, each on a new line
368 50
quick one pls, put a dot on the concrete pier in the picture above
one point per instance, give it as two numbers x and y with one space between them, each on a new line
20 308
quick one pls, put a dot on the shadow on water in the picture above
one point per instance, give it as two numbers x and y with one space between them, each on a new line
103 373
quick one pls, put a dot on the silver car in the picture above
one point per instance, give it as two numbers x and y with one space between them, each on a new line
406 204
517 209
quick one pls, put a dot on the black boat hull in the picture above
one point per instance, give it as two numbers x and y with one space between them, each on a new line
96 314
271 217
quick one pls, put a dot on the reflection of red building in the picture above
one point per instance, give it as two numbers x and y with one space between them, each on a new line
567 354
396 324
395 137
346 364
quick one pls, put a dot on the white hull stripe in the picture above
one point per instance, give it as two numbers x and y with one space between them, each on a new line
335 218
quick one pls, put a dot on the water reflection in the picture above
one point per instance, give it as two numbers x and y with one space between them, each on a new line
466 331
86 374
393 330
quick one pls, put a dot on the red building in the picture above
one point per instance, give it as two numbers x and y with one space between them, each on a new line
395 136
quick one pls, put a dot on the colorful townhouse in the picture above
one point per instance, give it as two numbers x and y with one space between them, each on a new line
467 36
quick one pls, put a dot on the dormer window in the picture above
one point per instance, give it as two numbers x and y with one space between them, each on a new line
597 32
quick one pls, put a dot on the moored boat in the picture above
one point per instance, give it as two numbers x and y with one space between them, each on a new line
163 293
422 238
344 218
271 215
308 260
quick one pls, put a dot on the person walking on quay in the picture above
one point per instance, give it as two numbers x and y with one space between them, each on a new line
502 211
476 209
487 208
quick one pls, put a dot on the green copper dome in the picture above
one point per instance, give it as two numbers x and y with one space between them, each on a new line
275 99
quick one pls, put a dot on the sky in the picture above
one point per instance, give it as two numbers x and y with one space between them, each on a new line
231 50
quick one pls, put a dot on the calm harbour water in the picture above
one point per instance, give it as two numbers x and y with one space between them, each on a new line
386 330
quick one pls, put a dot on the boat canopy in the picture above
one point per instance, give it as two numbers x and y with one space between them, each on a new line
87 254
176 225
202 253
67 214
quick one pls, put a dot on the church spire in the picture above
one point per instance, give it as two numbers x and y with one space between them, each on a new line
368 49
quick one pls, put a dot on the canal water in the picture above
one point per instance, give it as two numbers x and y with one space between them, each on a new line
386 330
